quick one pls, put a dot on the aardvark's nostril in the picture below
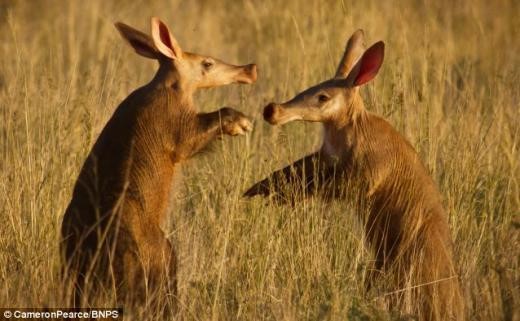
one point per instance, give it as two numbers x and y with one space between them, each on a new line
246 74
251 70
269 111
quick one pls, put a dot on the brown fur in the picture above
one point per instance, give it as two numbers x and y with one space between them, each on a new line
406 224
111 230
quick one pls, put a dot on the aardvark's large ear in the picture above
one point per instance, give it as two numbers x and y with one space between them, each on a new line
141 42
368 65
164 40
353 50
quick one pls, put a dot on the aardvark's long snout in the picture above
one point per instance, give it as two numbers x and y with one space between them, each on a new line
279 114
276 114
247 74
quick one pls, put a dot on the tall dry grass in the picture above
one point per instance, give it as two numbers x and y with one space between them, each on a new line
449 84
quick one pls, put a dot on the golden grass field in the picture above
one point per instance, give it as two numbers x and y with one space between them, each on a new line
449 84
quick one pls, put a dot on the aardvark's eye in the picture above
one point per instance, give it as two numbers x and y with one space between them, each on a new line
207 64
323 98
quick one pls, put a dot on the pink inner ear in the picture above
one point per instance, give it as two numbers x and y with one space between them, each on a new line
370 63
165 36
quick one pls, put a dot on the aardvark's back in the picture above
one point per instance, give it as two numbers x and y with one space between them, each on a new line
127 157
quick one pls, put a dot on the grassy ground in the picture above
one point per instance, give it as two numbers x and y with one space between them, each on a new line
449 84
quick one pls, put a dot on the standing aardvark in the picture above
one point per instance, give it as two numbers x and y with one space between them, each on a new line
405 223
111 230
